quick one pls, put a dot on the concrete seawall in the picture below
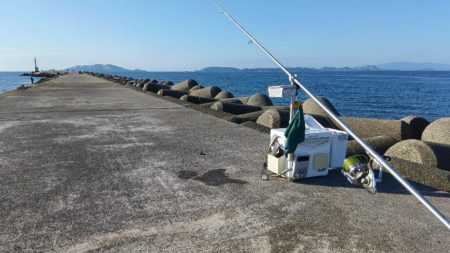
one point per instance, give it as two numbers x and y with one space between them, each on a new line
86 165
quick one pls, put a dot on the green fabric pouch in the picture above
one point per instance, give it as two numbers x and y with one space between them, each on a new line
295 132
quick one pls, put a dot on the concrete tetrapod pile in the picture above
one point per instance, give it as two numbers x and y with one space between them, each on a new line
420 150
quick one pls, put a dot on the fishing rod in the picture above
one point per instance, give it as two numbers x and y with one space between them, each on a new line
293 79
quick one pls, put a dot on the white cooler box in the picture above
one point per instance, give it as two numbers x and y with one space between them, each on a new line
323 149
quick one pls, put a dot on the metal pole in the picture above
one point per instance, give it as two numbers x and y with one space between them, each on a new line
368 149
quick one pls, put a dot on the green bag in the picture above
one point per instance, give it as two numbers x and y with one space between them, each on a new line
295 132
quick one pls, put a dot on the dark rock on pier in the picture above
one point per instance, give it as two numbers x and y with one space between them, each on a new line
22 87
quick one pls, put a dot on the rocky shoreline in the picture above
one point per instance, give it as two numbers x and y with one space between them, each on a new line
44 74
420 150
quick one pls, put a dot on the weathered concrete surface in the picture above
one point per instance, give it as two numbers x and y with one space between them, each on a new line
87 165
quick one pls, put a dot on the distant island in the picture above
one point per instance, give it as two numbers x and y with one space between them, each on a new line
293 69
393 66
414 66
101 68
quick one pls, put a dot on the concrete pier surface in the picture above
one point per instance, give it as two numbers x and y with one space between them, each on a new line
87 165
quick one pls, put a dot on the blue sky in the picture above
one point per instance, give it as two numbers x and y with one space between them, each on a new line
192 34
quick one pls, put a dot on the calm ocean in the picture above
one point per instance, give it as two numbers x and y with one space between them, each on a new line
380 94
12 80
376 94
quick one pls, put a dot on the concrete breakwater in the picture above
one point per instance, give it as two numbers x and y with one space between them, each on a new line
420 150
90 165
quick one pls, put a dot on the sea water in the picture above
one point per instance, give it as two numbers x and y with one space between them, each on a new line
372 94
12 80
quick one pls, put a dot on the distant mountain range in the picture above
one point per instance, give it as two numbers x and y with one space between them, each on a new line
399 66
293 69
393 66
101 68
413 66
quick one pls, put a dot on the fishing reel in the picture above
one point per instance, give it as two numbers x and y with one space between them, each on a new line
359 170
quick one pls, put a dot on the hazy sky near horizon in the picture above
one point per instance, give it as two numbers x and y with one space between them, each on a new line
159 35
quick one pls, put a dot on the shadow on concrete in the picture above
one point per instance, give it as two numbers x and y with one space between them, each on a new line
388 185
212 177
186 174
